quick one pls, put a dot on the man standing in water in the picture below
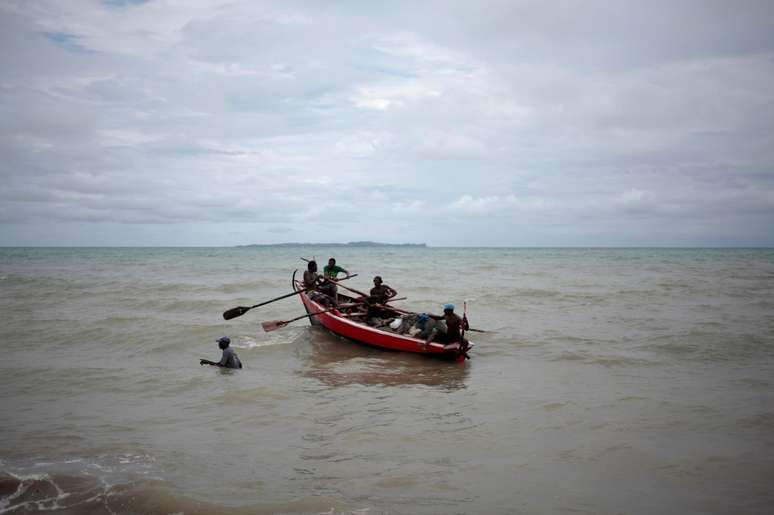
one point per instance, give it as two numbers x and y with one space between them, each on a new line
229 359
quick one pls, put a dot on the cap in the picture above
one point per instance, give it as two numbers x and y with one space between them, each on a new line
223 339
448 307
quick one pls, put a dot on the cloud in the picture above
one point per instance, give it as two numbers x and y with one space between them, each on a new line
122 137
631 197
385 96
400 120
495 204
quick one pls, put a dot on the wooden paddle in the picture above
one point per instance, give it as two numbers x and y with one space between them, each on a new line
241 310
366 295
273 325
404 311
336 281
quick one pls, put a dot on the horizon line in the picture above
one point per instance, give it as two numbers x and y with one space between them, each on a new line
409 245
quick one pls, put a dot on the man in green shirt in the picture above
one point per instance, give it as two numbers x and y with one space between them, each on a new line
331 270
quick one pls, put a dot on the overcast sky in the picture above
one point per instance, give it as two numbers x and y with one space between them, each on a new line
494 123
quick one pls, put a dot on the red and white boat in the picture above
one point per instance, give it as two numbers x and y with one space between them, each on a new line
341 325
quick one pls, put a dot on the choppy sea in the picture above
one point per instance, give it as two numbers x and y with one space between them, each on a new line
633 381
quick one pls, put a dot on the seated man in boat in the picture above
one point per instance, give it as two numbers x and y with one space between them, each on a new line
228 359
379 294
314 280
311 278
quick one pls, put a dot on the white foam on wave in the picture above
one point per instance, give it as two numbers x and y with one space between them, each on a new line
106 470
25 482
250 342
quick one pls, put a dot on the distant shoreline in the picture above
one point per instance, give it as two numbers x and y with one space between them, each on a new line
350 244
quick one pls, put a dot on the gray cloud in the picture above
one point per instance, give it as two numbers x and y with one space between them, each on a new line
511 123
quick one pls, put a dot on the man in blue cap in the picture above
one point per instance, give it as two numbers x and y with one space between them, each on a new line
454 324
229 359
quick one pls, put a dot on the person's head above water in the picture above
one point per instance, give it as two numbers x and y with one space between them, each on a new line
312 266
223 342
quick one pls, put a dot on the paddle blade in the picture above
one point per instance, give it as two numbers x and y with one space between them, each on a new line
235 312
273 325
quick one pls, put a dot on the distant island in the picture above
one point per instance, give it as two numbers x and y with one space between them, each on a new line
350 244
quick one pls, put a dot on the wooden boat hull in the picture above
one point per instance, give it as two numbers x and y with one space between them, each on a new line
375 337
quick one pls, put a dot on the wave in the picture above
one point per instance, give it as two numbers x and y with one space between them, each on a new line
36 492
761 421
273 339
173 305
603 360
555 406
91 493
711 345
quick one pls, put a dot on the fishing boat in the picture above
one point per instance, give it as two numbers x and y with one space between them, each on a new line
343 325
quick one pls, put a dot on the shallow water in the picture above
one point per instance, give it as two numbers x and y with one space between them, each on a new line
611 381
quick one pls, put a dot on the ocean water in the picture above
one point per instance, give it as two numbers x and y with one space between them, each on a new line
632 381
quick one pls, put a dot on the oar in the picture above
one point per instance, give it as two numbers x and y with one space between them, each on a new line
336 281
241 310
273 325
401 310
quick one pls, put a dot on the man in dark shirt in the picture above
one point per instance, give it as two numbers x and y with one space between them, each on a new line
454 324
317 282
381 293
229 359
311 277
